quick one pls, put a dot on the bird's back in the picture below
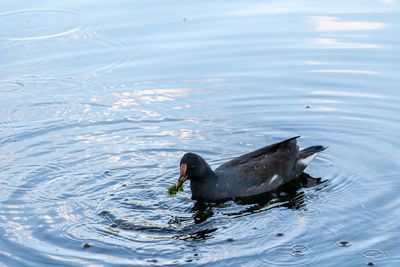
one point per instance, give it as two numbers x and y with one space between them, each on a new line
259 171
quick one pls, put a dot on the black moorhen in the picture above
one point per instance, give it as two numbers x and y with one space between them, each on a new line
251 174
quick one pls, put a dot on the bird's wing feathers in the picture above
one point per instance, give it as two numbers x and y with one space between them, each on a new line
262 170
263 152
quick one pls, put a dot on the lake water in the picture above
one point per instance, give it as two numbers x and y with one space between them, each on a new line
100 99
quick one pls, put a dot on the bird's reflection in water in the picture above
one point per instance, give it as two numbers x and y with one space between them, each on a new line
289 196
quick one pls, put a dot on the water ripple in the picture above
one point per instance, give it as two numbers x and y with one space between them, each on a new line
375 254
38 24
10 86
100 103
289 255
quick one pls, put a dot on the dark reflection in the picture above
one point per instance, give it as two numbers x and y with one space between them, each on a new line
288 195
202 222
202 234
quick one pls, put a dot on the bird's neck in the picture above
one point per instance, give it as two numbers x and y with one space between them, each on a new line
204 185
205 174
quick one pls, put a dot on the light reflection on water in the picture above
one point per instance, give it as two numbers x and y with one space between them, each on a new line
100 101
333 24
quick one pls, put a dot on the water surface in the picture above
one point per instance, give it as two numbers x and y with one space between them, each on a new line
100 99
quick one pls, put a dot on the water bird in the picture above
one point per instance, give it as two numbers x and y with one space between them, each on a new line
248 175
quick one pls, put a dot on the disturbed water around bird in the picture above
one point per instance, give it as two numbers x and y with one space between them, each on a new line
99 100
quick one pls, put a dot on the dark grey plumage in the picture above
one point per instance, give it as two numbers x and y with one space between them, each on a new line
251 174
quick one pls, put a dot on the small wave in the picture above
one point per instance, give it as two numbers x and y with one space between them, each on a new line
39 24
289 255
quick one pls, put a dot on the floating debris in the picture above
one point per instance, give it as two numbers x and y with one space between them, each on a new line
112 230
86 245
344 244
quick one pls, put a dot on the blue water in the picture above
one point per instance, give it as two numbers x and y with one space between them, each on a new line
100 99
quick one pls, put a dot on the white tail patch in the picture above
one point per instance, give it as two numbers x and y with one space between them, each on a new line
307 161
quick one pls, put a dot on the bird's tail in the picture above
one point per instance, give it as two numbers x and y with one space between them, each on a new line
310 151
307 155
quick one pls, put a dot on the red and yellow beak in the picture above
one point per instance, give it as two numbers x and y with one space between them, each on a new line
182 176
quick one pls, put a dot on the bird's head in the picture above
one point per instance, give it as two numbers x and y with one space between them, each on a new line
192 167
